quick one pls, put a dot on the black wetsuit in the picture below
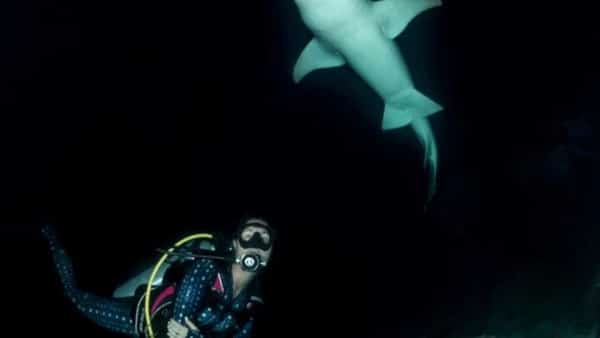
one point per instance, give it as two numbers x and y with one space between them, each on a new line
204 295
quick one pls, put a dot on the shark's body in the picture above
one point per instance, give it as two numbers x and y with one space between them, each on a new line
360 33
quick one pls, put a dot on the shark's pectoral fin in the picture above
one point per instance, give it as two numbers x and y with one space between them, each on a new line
394 15
316 55
408 105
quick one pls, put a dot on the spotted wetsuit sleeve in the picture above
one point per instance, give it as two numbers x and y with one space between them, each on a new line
246 330
192 292
194 334
111 313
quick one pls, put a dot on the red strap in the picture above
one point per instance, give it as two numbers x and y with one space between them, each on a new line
218 284
162 296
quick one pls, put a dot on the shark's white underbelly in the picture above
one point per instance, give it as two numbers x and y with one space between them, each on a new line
324 15
374 57
352 30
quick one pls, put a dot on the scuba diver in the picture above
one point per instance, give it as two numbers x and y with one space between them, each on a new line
204 296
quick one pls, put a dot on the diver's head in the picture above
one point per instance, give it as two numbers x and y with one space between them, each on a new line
253 244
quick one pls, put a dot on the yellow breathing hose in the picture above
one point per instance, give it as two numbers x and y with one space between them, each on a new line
150 331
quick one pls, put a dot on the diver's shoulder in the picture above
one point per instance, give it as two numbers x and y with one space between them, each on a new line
257 299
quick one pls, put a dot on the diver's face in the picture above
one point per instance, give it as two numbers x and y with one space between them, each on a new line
247 234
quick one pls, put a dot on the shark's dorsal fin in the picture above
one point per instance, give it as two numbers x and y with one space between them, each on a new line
395 15
316 55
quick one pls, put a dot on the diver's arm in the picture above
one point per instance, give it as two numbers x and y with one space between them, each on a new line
246 330
192 292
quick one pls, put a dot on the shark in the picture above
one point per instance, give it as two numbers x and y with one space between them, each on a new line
360 34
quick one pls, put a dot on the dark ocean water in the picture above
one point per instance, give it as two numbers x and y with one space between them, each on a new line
130 124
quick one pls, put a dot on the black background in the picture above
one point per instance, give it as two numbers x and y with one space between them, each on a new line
131 123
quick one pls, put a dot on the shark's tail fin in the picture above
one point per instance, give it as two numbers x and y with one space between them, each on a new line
424 133
413 107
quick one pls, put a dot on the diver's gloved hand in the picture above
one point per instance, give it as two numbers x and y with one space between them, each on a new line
177 330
